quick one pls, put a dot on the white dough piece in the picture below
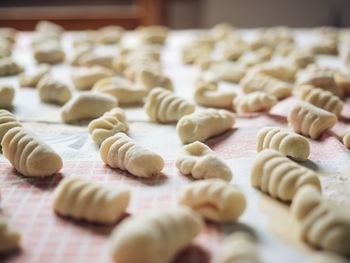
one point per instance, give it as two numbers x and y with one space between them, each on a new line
199 161
49 52
149 79
239 247
94 202
309 120
120 151
7 94
53 91
326 257
31 78
207 93
301 57
275 174
29 155
123 90
49 28
214 199
110 34
257 101
9 67
164 107
85 78
87 105
281 71
228 71
153 34
7 122
9 237
286 142
156 236
202 125
321 98
345 140
109 124
322 224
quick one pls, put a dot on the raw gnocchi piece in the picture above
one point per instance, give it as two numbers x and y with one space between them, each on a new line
110 34
214 199
120 151
164 107
9 67
199 161
150 79
202 125
238 247
153 34
288 143
254 102
249 59
322 224
309 120
195 51
221 31
7 122
49 28
8 33
321 98
280 71
301 57
261 82
28 154
345 140
93 59
122 89
275 174
7 94
326 257
85 78
343 82
109 124
81 51
31 78
227 71
87 105
207 93
9 237
157 236
53 91
49 52
94 202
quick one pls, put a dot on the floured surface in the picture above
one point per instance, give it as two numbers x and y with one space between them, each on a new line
50 238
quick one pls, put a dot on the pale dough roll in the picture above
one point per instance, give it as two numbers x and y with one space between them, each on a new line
221 31
29 155
164 107
110 34
87 105
124 90
9 67
7 94
150 79
153 34
257 101
343 82
346 139
85 78
94 202
213 199
251 58
202 125
154 237
109 124
120 151
326 257
309 120
228 71
49 28
9 237
7 122
53 91
288 143
275 174
301 57
321 98
31 78
49 52
207 93
322 224
277 70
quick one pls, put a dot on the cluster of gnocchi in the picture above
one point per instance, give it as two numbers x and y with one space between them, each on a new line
135 77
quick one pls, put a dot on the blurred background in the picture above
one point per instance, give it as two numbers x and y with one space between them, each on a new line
178 14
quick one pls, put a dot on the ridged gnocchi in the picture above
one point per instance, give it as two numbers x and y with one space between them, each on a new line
288 143
227 71
213 199
301 57
238 247
149 79
309 120
9 67
207 93
322 224
31 78
9 237
28 154
50 52
321 98
345 140
120 151
261 82
276 70
94 202
257 101
157 236
122 89
164 107
275 174
199 161
87 105
7 122
85 78
202 125
7 94
53 91
109 124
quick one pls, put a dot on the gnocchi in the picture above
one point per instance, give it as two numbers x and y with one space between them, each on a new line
85 78
153 34
53 91
9 67
254 102
9 237
7 122
346 139
31 79
149 79
7 94
49 52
